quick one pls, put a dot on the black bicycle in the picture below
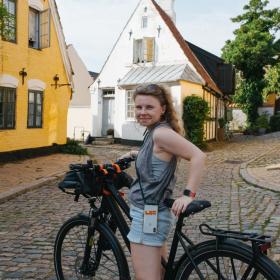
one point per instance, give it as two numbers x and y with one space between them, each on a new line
86 246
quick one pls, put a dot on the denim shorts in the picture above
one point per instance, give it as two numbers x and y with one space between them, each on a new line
136 235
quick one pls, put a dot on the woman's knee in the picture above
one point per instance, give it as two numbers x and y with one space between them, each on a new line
146 261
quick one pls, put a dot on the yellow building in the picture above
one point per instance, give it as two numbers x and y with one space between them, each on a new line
35 77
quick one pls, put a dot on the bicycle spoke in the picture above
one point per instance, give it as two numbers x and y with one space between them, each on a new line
233 268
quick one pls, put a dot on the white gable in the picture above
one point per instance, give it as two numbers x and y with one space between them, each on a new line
166 51
155 43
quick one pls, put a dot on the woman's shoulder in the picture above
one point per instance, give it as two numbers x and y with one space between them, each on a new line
162 132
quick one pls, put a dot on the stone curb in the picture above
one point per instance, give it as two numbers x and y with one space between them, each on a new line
253 181
23 188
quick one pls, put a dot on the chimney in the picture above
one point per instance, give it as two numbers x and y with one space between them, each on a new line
168 7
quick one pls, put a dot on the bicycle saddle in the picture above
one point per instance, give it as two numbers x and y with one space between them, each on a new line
194 207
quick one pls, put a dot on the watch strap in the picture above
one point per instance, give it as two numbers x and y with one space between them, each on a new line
189 193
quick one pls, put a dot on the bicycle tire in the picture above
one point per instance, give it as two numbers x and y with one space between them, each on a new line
234 258
69 251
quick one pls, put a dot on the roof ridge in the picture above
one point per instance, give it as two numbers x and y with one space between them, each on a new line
186 49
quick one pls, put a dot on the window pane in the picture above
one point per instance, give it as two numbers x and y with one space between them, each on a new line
12 8
35 109
9 30
33 28
38 121
144 22
130 105
31 97
7 107
30 120
39 97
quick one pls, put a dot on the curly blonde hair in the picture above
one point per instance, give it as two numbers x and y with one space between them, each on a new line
165 99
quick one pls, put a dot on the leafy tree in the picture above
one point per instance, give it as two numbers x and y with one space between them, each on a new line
272 80
253 48
248 98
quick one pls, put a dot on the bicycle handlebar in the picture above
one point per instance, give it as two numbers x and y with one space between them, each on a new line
118 165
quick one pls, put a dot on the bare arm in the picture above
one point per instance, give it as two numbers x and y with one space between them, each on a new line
171 142
131 154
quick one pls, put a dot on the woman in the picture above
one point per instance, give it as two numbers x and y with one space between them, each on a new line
155 166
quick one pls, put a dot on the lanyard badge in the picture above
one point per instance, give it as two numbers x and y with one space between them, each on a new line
150 218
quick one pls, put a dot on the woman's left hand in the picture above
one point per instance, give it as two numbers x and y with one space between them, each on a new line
181 204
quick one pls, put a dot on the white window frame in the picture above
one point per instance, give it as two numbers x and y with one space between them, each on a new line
144 22
129 106
140 50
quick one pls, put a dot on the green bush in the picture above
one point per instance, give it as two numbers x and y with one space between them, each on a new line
262 121
195 112
275 122
73 147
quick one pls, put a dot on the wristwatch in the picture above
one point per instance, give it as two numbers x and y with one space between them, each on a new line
189 193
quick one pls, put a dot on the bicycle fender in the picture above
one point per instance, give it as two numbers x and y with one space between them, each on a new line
199 246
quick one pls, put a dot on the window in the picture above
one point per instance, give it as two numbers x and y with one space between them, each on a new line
144 22
143 50
7 107
130 107
108 92
35 108
39 29
9 30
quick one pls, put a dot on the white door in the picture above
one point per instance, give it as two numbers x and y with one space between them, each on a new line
107 114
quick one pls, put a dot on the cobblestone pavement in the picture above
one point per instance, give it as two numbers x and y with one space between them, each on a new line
29 223
21 176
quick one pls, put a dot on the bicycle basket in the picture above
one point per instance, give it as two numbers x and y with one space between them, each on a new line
81 181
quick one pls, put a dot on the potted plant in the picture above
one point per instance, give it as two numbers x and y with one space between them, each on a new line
262 124
110 133
221 129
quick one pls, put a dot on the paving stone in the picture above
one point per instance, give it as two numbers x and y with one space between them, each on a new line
29 223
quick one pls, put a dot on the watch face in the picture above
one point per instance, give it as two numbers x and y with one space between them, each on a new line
187 192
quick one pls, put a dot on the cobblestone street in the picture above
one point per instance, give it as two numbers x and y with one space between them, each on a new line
29 222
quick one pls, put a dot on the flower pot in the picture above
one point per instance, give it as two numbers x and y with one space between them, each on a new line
261 131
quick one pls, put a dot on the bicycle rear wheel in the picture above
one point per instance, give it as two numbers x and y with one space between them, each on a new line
107 260
233 259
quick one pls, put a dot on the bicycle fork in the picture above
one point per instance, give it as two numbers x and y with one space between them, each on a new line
89 268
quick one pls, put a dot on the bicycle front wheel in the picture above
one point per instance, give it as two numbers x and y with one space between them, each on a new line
106 261
232 261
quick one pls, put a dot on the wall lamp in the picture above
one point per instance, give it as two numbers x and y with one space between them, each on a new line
23 74
56 84
158 30
130 33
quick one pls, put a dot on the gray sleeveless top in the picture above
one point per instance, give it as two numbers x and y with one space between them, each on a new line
157 176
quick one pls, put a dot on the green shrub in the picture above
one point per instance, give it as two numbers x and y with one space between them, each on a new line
262 121
275 122
73 147
195 112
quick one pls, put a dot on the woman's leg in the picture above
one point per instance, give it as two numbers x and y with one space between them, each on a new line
146 261
164 255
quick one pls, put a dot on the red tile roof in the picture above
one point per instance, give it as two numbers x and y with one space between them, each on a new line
186 49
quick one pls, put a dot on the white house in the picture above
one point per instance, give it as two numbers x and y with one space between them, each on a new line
79 118
150 49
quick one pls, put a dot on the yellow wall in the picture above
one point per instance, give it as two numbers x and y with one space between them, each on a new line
189 89
216 106
42 65
270 100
